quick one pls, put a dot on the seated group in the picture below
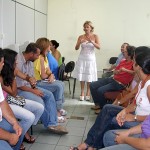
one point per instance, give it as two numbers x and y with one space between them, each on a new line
27 75
134 66
44 101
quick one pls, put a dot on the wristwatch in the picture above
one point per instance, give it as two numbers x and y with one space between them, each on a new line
135 118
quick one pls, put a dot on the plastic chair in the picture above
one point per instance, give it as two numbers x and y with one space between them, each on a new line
65 71
112 61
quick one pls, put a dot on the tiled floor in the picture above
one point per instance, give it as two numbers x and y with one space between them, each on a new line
77 128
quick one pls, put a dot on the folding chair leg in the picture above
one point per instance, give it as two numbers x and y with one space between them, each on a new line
74 85
31 129
69 86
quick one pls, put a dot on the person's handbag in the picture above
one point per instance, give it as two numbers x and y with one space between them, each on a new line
18 100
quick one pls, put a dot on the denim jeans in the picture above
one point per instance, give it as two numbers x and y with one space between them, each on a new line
126 125
57 88
101 125
98 88
109 140
49 116
119 147
28 115
4 145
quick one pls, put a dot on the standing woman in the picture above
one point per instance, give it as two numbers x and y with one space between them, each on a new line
86 70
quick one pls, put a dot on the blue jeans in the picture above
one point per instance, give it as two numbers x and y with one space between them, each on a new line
109 140
28 115
101 125
57 88
98 88
49 116
126 125
4 145
119 147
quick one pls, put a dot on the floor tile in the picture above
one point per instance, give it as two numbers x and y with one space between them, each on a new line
39 146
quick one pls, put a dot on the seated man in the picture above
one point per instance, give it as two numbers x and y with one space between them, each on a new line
10 130
38 94
123 75
109 71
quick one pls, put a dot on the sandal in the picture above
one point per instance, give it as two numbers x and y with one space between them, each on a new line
87 98
63 112
22 147
61 119
30 140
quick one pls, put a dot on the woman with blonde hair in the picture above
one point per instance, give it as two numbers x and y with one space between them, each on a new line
86 69
46 78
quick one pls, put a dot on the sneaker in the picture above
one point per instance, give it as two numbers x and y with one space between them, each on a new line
63 112
58 130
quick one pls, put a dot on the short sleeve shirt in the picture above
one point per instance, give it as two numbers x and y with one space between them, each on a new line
25 67
1 100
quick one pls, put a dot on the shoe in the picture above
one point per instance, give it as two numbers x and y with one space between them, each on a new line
95 107
97 111
30 140
81 98
63 112
22 147
87 98
61 119
58 130
73 148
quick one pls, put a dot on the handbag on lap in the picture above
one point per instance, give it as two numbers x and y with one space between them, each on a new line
18 100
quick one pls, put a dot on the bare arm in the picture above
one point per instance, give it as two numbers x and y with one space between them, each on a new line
11 138
57 55
9 116
78 43
12 90
127 97
34 91
138 143
97 42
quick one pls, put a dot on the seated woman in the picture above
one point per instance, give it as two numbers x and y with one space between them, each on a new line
53 47
53 64
46 79
127 117
134 138
32 111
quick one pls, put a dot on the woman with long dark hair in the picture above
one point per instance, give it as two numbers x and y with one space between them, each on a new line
32 111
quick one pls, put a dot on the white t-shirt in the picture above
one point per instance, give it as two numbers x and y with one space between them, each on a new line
142 101
1 99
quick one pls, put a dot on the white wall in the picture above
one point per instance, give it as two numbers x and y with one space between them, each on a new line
115 21
21 21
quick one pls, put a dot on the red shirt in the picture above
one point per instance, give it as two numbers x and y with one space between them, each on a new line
124 77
